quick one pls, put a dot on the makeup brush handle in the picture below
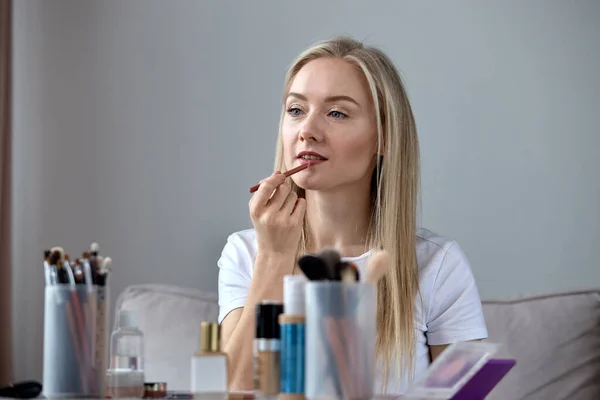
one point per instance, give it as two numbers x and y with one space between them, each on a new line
339 345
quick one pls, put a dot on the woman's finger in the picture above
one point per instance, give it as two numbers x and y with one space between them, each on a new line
264 192
299 209
278 198
289 203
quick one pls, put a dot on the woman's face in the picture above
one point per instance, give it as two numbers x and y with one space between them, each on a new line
330 121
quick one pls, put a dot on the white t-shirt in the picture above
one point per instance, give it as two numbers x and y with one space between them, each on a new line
450 310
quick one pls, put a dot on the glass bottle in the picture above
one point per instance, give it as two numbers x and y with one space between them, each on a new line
126 373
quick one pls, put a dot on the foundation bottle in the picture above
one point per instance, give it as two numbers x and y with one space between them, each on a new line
208 377
267 347
292 324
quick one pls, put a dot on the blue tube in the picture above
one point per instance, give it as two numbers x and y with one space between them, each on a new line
291 378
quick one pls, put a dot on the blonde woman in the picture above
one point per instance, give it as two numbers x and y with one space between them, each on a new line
346 109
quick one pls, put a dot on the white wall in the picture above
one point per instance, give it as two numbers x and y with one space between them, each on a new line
142 124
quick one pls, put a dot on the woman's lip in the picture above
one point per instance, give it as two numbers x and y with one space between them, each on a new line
310 153
312 162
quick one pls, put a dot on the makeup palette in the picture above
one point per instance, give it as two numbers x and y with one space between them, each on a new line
464 371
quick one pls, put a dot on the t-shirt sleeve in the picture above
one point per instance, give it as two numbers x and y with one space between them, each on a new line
235 266
455 311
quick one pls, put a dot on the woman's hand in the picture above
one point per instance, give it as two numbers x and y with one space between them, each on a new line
277 214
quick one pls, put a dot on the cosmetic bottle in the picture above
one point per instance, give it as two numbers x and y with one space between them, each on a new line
126 372
292 329
208 378
267 349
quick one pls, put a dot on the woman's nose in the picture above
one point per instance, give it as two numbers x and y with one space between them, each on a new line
311 129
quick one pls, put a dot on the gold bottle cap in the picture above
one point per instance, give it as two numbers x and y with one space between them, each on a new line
209 337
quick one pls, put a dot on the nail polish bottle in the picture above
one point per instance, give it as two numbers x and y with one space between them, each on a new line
208 379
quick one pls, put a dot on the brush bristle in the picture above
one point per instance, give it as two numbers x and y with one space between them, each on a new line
349 273
105 265
379 263
55 258
313 267
58 249
331 257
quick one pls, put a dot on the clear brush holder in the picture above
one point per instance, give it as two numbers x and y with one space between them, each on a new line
75 341
340 340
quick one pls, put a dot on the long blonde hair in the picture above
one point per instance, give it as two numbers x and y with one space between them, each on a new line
394 193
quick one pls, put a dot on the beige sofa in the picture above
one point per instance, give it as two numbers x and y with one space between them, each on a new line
555 339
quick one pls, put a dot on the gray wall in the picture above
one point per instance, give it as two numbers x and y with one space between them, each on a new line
142 124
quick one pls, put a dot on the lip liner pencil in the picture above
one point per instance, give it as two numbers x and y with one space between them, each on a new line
286 173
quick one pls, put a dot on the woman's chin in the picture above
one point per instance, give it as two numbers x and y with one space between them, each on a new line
308 184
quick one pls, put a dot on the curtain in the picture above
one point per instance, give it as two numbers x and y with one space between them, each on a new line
6 372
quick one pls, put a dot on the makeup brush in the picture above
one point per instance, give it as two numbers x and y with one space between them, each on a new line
49 270
103 271
379 263
313 267
339 306
325 265
67 266
94 248
349 272
76 308
58 250
54 258
320 267
332 259
286 173
349 333
78 271
105 267
57 260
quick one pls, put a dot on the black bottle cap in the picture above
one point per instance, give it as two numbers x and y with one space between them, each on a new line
267 323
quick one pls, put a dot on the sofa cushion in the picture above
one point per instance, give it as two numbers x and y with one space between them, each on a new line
170 318
556 342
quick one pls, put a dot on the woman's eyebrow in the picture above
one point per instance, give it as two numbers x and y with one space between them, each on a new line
329 99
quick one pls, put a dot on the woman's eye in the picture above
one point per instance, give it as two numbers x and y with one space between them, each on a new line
338 114
294 112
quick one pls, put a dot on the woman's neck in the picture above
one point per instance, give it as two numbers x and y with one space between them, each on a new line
338 219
